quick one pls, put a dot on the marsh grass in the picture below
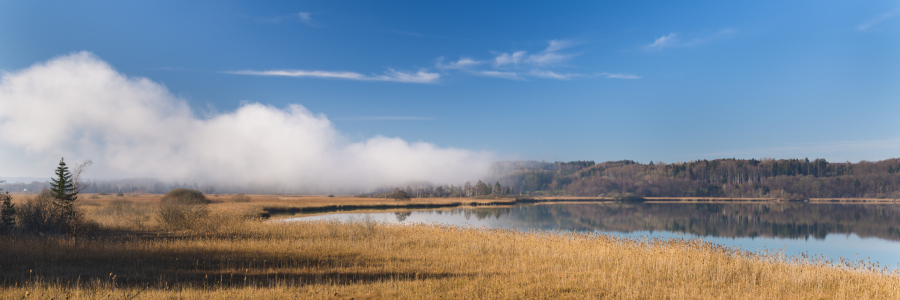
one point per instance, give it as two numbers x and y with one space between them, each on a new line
230 255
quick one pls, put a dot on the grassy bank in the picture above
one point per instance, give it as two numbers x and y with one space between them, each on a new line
229 256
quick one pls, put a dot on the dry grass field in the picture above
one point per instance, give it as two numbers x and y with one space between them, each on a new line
229 254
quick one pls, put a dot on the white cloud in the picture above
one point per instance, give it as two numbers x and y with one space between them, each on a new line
303 73
618 76
567 76
551 74
79 107
499 74
507 59
409 33
672 40
881 18
546 58
462 63
556 45
399 76
664 41
391 75
387 118
305 18
515 65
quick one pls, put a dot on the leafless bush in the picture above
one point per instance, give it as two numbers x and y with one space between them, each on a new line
184 196
181 208
240 198
38 214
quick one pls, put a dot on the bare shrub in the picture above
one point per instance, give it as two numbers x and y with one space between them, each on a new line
39 214
182 208
184 196
240 198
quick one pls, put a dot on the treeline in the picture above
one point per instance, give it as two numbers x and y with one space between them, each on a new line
782 178
479 189
763 178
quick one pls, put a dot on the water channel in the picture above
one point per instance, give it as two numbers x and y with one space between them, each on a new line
868 232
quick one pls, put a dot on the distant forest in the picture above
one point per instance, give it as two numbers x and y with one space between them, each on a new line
751 178
765 178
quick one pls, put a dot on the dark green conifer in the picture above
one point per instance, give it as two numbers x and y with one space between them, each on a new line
62 188
7 212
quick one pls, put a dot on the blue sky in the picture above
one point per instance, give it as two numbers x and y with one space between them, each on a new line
639 80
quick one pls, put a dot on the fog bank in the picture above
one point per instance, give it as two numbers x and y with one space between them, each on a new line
79 107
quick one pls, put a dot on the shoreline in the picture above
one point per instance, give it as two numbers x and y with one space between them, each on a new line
436 203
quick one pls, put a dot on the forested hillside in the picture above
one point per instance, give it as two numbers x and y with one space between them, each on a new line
783 178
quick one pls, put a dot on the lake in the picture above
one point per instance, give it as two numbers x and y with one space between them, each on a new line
852 231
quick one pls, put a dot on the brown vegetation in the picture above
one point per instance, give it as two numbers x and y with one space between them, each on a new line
228 254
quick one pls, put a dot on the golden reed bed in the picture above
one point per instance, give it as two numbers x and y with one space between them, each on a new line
227 256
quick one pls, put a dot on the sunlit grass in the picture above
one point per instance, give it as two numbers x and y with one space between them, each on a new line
231 256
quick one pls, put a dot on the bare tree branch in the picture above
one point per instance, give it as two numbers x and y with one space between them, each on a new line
76 175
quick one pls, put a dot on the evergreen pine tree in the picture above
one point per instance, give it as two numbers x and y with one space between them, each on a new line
62 188
7 212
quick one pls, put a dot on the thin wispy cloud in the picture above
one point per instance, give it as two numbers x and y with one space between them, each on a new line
665 41
546 58
391 75
551 74
385 118
303 17
462 63
618 76
499 74
556 45
549 56
881 18
509 58
673 40
521 65
306 18
409 33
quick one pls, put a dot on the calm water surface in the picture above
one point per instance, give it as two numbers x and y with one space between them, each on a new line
852 231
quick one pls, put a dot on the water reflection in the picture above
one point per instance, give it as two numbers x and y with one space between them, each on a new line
782 220
852 231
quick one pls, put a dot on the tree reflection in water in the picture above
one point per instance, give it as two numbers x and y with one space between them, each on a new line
782 220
